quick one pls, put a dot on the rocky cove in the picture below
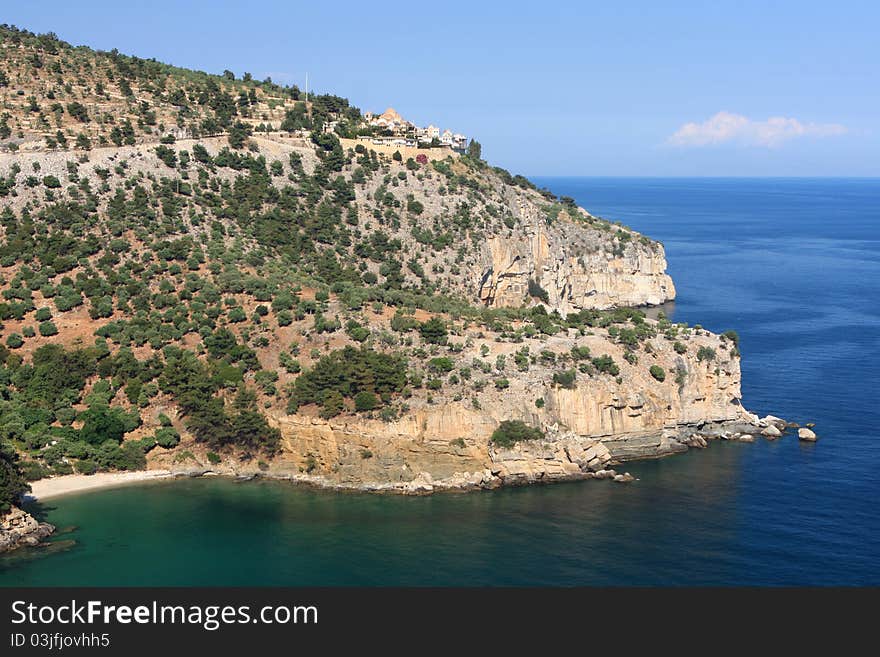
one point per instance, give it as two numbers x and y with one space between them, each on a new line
531 298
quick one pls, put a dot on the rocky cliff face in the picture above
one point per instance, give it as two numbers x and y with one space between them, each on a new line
601 421
566 263
19 529
502 236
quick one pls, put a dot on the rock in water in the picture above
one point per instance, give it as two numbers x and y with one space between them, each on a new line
807 435
771 432
19 528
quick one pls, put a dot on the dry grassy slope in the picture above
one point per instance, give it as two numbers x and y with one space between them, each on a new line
39 80
518 235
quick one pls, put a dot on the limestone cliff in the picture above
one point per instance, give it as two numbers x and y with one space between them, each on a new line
514 235
599 421
565 261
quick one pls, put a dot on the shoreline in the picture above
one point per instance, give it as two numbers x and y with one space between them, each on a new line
53 487
769 427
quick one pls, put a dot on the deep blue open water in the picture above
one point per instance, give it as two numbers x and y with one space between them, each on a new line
792 264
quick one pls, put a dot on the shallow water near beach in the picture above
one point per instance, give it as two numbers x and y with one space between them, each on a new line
791 264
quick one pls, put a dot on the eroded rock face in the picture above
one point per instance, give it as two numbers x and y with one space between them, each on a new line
602 420
516 235
18 529
579 265
573 278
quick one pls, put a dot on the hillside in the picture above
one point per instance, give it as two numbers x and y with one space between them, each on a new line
196 275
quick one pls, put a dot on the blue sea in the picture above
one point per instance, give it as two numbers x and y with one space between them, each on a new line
793 265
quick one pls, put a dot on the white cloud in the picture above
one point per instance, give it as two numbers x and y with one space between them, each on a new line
727 127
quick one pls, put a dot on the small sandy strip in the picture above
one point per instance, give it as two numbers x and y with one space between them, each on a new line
45 489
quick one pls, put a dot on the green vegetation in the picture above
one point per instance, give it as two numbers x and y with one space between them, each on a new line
705 353
345 374
194 385
566 379
510 432
434 331
606 365
658 373
12 482
538 292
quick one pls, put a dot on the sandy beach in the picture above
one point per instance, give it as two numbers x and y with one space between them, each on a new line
45 489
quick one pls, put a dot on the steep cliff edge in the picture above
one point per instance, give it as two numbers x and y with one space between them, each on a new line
592 423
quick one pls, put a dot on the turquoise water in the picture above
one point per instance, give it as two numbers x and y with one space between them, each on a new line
792 265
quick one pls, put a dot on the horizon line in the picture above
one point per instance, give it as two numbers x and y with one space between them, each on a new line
691 177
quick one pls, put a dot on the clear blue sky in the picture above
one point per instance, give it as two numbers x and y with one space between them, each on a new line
549 88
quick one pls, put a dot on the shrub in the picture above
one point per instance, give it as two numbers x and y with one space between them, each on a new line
365 401
100 424
347 372
48 329
213 458
441 364
332 405
705 353
565 378
167 437
658 373
733 336
86 467
606 364
510 432
580 353
434 331
538 292
12 483
167 155
679 347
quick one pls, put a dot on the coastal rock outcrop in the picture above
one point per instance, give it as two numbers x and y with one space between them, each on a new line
807 435
573 263
599 421
19 528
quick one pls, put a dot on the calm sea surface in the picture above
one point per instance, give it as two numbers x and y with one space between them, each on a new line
792 265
